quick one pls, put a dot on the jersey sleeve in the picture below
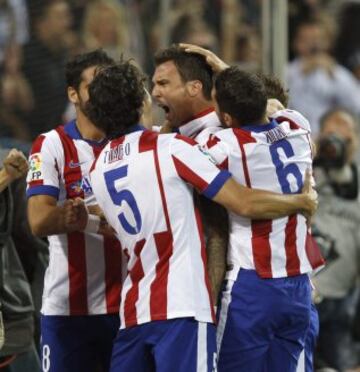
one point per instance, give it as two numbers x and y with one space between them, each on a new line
43 175
293 117
217 150
196 167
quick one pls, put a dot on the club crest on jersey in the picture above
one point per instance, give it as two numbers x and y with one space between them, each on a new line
206 153
276 134
35 163
116 153
81 186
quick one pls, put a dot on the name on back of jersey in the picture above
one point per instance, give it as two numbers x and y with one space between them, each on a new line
117 153
276 134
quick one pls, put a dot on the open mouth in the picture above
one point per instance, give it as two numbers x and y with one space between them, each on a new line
164 107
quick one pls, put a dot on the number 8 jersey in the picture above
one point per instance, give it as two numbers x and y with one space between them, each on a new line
272 157
144 184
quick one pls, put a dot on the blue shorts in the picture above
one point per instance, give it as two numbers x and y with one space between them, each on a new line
77 343
181 345
306 360
263 323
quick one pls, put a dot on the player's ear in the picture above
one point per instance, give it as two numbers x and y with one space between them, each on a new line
72 95
227 119
194 87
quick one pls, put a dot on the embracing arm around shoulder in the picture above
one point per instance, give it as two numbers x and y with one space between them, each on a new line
259 204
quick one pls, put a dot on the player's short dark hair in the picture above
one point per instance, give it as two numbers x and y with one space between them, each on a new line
274 88
242 95
116 97
190 66
76 66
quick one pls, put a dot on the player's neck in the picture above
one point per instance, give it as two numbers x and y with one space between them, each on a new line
87 129
200 106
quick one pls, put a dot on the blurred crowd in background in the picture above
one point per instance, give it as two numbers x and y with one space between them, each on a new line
323 77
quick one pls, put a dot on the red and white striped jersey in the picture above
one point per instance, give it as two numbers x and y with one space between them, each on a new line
202 126
271 157
85 270
144 184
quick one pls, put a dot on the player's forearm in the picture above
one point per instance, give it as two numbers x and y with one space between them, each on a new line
47 220
216 263
258 204
264 205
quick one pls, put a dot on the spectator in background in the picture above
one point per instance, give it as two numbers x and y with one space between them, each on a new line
44 62
194 30
347 46
316 82
105 27
18 353
336 229
15 95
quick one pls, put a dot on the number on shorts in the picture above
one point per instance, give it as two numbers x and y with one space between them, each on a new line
46 358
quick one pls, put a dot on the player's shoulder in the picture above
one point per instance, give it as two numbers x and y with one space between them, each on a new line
47 142
294 117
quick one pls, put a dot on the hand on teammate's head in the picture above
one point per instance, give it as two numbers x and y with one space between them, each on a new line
212 59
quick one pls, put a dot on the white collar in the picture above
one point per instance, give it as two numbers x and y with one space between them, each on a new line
206 119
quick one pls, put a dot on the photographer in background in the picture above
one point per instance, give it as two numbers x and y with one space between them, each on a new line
336 230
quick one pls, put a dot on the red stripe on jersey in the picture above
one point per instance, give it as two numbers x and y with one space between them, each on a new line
292 123
188 175
204 260
113 273
292 258
36 183
212 141
158 288
116 142
76 241
148 141
313 252
77 274
132 296
36 147
243 138
224 164
188 140
261 247
96 150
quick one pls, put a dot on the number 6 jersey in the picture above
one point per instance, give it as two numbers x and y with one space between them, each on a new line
144 184
272 157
